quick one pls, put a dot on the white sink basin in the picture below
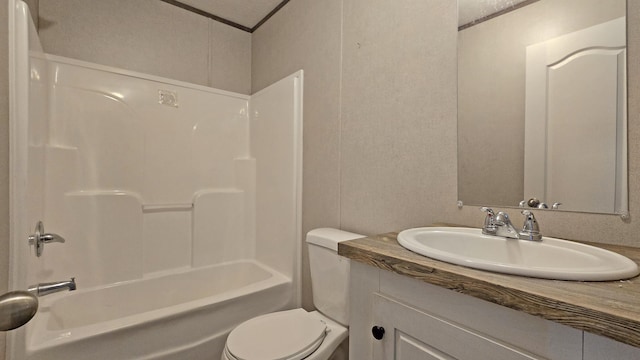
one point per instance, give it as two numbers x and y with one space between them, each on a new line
548 259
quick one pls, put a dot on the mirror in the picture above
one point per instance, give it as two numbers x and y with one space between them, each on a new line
542 104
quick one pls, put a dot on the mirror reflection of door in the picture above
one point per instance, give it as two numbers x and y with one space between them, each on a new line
575 142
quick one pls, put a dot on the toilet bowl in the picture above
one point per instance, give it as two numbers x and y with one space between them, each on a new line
285 335
297 334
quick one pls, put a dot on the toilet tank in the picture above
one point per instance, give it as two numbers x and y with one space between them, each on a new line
330 272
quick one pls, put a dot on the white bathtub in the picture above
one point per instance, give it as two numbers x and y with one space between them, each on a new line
181 315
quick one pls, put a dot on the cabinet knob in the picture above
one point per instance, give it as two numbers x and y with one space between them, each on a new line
378 332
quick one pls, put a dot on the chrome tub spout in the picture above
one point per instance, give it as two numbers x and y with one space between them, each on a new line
52 287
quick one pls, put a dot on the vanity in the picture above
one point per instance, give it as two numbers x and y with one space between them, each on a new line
435 310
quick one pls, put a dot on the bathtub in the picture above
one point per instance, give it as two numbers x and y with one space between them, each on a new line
185 314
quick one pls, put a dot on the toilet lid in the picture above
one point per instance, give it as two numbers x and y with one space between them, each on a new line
283 335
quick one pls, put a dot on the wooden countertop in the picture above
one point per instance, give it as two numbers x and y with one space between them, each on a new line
610 308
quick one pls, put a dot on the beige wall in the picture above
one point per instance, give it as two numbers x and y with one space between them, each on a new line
398 129
379 108
491 88
149 36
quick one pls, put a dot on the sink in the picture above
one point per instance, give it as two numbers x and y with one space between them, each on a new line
548 259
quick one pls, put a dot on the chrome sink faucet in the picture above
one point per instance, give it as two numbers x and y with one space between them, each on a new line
43 289
500 225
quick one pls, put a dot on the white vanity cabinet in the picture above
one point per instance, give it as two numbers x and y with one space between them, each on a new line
415 334
424 322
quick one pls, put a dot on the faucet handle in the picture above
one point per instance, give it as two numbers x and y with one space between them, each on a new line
488 210
530 229
530 222
39 238
489 226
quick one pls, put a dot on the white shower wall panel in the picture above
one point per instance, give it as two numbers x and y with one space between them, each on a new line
167 240
90 115
103 231
37 138
220 234
127 140
193 146
32 131
276 143
246 181
138 184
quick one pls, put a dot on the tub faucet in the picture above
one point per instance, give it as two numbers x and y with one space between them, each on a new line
43 289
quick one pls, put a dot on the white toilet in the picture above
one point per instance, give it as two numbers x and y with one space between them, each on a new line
298 334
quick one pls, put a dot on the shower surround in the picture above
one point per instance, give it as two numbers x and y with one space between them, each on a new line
180 206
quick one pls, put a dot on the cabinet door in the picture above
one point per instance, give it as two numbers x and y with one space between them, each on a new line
597 347
412 334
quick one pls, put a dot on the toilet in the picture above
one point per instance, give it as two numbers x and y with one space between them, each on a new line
297 334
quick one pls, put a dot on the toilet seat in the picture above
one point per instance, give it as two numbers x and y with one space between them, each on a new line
284 335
